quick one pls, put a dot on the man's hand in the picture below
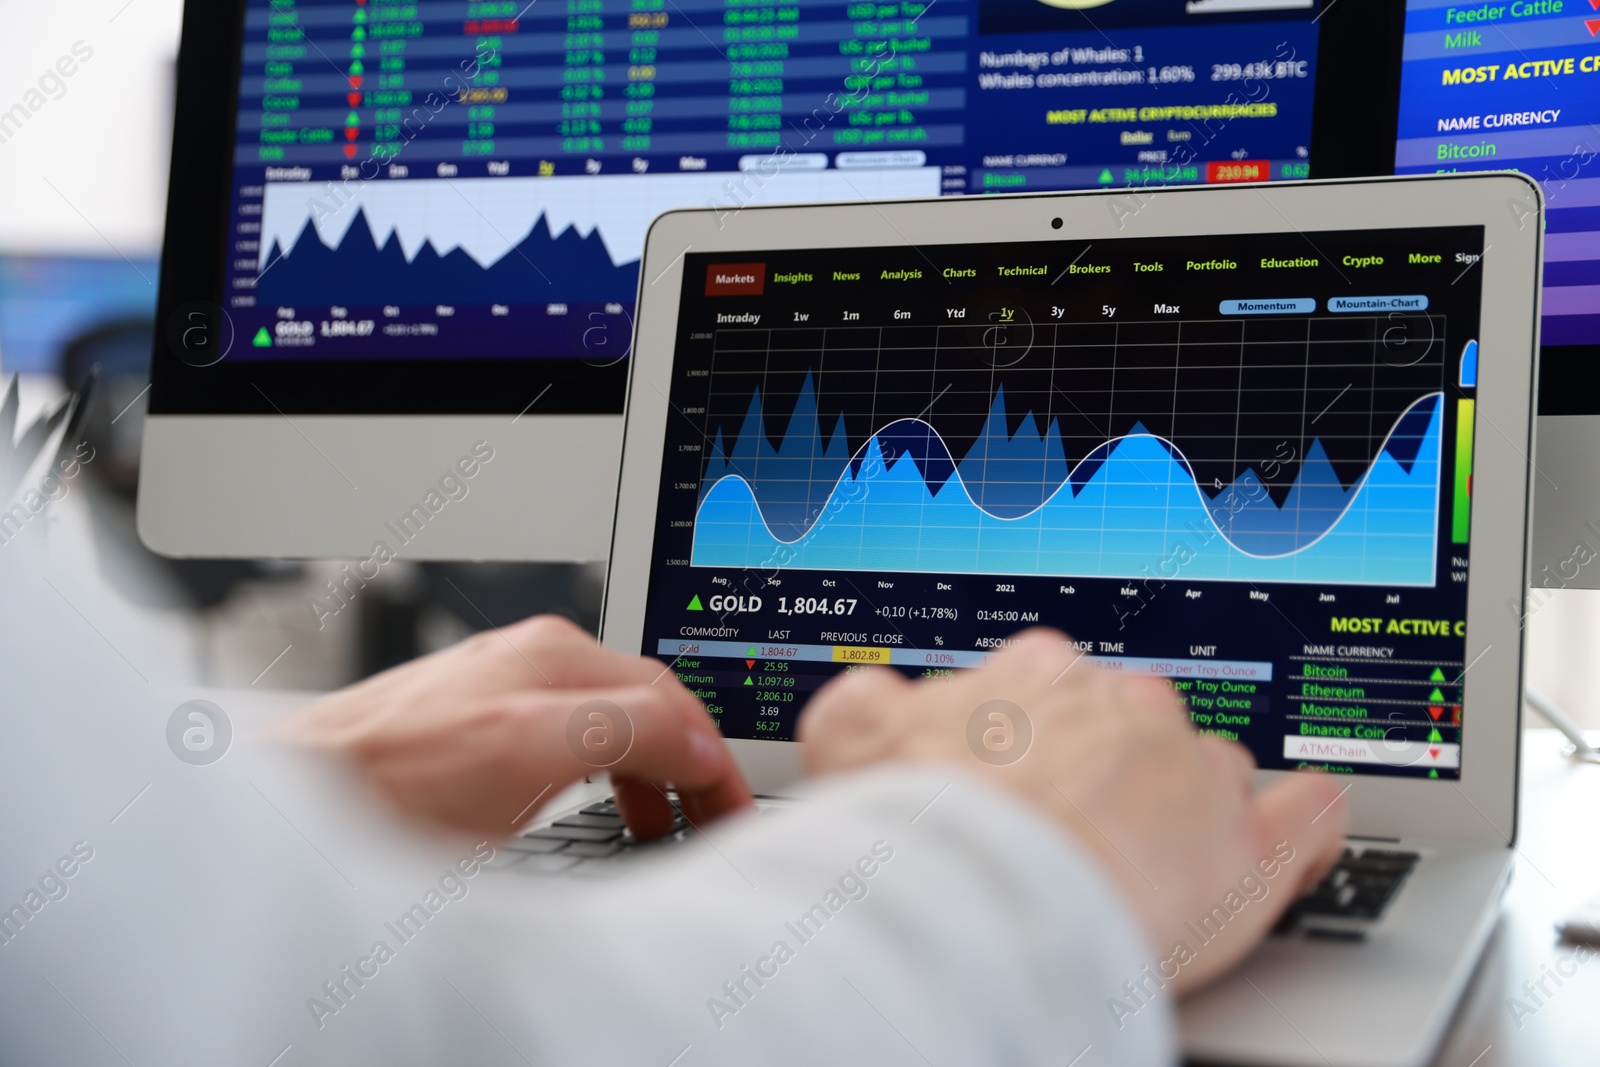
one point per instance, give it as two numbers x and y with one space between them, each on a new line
1170 813
478 735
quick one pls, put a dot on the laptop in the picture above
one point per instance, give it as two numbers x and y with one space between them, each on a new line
1267 442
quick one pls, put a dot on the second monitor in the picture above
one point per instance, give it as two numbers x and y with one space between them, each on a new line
408 230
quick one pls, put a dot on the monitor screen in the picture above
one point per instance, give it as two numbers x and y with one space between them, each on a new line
473 181
48 301
1242 463
1516 85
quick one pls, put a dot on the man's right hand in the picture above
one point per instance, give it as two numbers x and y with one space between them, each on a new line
1170 813
478 735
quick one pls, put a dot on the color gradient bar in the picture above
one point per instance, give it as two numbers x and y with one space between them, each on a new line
1461 518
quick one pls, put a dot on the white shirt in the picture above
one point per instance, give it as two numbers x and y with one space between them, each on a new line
234 913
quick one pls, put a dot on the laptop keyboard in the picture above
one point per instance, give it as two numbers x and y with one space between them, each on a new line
1360 886
588 841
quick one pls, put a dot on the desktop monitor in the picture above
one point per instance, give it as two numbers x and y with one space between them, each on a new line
404 237
1517 85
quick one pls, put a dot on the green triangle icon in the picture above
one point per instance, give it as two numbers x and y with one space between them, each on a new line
748 682
360 16
357 50
694 603
1436 696
357 68
352 119
750 651
359 34
1433 735
262 339
1105 177
1436 676
1433 774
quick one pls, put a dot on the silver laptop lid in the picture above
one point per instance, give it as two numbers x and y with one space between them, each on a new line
1241 439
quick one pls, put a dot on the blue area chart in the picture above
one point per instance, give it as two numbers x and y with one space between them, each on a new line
1012 506
566 266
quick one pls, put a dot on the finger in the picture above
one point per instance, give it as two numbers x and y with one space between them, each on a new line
643 806
669 739
562 655
1307 813
1298 830
725 793
1036 658
840 725
1233 762
1155 695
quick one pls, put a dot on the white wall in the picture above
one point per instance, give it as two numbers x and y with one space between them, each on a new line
1562 660
104 142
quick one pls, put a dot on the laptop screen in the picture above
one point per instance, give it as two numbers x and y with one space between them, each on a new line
1242 463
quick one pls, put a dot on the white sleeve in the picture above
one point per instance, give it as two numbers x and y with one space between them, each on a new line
900 917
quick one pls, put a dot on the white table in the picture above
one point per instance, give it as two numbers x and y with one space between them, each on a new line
1558 865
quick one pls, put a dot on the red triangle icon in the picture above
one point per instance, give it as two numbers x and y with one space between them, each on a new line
1593 26
349 151
1595 4
354 98
1436 711
355 81
351 133
1433 752
750 663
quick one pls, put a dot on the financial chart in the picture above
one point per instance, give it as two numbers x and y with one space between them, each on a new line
1240 463
510 240
1205 463
472 179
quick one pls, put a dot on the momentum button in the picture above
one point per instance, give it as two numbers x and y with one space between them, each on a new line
1296 305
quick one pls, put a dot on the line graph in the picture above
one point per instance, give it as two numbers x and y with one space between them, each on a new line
1176 484
512 239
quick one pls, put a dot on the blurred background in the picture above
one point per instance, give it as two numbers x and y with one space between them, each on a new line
82 197
82 201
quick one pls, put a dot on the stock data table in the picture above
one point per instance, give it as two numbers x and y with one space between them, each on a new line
453 178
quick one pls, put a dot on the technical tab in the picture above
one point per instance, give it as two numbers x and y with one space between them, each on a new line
1023 270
